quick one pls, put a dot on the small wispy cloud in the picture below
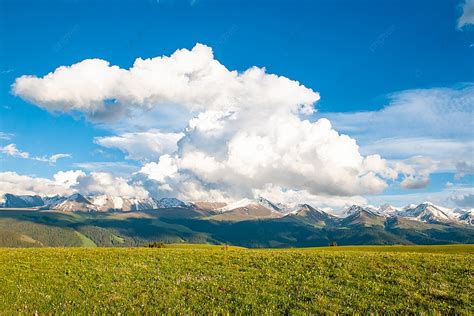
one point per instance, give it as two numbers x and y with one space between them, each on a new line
5 136
13 151
115 167
467 16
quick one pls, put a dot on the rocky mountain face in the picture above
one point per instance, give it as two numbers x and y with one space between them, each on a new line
312 215
127 221
21 201
248 209
95 203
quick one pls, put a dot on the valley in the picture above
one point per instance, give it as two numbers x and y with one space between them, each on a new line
76 221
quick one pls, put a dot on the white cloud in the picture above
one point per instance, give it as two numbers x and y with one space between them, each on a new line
99 183
293 197
467 16
68 182
432 123
450 196
165 168
240 155
437 113
5 136
248 130
191 79
69 178
463 200
438 148
415 182
115 167
464 167
149 145
416 171
105 183
12 150
11 182
55 157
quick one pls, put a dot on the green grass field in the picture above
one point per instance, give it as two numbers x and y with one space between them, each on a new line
203 279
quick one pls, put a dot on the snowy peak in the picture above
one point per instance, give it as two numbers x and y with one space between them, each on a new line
105 203
135 204
387 209
21 201
362 216
75 202
429 213
304 208
260 207
170 203
260 202
312 215
235 205
78 198
268 204
409 206
50 200
356 209
467 218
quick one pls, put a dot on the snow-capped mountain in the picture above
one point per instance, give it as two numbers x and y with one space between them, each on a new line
247 209
170 203
312 214
356 209
79 202
357 215
20 201
235 205
467 217
387 209
75 202
429 213
425 212
258 208
114 203
53 200
268 204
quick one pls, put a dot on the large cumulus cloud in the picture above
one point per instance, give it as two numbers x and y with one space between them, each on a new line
191 79
241 157
149 145
249 133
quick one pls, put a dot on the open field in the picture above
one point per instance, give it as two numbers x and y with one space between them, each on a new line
202 278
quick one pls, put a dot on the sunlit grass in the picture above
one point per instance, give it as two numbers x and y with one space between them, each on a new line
203 278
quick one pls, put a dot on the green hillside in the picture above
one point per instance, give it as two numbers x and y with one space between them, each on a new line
22 228
203 279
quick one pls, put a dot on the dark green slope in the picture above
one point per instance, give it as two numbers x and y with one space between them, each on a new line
41 228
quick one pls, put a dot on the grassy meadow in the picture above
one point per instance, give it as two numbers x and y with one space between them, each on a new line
203 279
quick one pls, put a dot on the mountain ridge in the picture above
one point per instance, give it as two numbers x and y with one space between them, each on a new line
124 221
245 209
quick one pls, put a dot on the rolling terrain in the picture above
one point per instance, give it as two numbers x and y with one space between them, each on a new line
253 225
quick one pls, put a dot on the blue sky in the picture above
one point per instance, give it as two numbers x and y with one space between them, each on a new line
361 56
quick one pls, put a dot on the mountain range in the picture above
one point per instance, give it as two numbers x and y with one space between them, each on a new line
244 209
248 222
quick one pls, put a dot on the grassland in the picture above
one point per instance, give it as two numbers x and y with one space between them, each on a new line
203 279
